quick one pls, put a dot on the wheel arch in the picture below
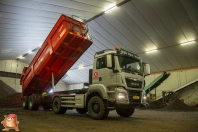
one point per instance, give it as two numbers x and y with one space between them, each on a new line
55 97
99 89
92 95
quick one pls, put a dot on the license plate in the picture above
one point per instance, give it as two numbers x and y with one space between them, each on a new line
136 97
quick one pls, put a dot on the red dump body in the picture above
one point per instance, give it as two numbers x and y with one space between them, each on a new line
66 42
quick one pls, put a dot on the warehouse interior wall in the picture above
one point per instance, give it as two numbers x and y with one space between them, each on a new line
189 94
176 80
13 83
15 66
75 86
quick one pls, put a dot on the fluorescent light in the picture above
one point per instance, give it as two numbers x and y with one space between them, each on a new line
81 67
6 50
20 57
110 9
30 52
109 6
190 42
151 51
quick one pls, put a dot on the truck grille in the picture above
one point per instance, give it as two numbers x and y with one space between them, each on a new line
133 84
131 97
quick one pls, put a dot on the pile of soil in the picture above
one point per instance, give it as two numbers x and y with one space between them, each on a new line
5 90
178 105
154 105
9 98
196 106
11 101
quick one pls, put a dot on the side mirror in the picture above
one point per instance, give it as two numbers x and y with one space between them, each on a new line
109 61
147 69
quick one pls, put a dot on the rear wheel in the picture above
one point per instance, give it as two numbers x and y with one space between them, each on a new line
97 108
31 103
125 112
81 110
25 102
57 106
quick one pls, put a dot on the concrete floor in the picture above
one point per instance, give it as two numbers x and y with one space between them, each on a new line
71 121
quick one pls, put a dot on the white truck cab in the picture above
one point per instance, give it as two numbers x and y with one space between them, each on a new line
116 82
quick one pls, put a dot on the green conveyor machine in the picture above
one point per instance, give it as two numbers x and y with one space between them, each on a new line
155 83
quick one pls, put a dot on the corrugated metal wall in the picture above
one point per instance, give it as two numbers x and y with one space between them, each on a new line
176 80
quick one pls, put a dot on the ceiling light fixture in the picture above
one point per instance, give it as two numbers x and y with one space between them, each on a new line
20 57
110 9
190 42
81 67
150 51
30 52
6 50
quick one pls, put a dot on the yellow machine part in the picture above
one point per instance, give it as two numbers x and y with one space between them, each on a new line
44 94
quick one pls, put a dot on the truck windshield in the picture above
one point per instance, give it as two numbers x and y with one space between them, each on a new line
130 65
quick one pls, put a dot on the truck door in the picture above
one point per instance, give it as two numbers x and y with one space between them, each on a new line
102 74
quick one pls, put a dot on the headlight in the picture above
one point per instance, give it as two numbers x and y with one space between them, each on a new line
122 96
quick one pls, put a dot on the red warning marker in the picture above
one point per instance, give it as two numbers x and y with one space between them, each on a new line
95 74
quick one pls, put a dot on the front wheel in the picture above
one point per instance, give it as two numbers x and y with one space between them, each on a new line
125 112
97 108
57 106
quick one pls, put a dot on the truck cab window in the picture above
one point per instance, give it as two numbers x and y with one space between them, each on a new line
101 63
129 64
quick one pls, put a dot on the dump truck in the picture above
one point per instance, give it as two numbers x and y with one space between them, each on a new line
116 80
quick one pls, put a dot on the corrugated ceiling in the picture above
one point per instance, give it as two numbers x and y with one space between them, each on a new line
138 25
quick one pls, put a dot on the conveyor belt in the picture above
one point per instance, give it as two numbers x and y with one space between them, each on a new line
155 83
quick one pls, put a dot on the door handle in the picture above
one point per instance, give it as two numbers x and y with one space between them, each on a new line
100 78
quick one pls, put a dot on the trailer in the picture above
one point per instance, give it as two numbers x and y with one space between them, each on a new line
66 42
116 80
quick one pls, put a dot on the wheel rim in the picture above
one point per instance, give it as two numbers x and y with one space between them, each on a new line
24 102
56 105
96 108
31 102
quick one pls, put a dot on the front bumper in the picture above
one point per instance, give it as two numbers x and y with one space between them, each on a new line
128 97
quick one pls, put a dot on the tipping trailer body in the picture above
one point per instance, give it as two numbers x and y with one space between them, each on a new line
66 42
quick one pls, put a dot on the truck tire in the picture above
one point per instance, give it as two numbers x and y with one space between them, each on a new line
57 106
97 108
25 102
125 112
31 103
81 110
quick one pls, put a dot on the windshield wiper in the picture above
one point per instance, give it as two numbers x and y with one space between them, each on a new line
133 71
136 71
127 70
